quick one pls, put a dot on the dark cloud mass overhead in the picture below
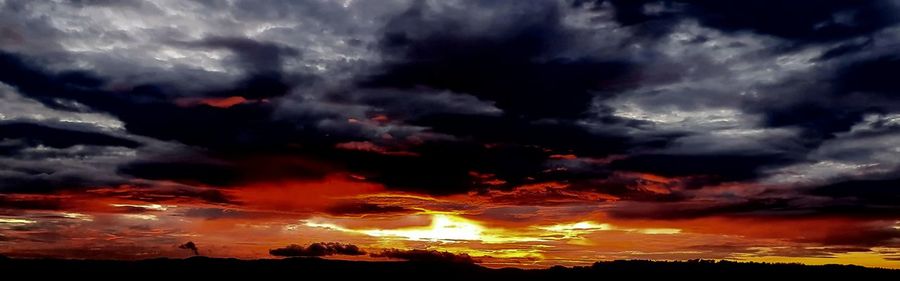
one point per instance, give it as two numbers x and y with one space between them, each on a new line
572 117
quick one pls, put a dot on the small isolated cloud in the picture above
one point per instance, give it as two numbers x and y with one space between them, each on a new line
317 250
426 256
190 246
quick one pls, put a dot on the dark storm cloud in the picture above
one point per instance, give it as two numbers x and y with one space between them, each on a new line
844 93
32 177
714 168
317 250
34 134
559 136
362 209
802 20
879 195
100 2
235 168
514 63
262 63
30 184
847 48
140 108
871 76
150 110
510 149
633 188
520 65
416 103
49 88
871 236
868 199
175 194
828 100
30 203
447 98
445 167
693 210
251 55
202 173
505 64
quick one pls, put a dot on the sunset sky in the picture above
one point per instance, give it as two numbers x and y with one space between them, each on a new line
521 133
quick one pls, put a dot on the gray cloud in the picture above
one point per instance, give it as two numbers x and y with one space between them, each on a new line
527 91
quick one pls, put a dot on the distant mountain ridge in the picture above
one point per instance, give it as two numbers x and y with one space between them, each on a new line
315 268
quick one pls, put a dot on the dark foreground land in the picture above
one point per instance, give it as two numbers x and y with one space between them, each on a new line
320 269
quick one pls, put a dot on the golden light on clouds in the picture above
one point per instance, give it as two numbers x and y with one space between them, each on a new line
449 228
499 245
443 228
575 229
544 135
15 221
154 207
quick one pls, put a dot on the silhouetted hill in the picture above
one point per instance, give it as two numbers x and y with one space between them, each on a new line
314 268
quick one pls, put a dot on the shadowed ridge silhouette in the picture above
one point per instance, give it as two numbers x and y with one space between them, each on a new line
232 269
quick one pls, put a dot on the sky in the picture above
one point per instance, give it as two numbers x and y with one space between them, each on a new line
516 133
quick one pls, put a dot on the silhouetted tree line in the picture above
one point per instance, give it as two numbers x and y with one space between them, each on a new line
316 268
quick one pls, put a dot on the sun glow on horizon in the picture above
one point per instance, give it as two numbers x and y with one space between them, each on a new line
450 228
444 227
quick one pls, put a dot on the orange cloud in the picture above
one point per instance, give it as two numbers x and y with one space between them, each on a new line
368 146
304 196
225 102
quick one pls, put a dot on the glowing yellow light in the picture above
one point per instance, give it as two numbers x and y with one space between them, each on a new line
16 221
442 228
396 195
585 225
155 207
580 228
872 259
78 216
447 227
659 230
141 217
572 230
528 253
322 225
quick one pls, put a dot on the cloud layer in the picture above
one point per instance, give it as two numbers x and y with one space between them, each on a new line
677 112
